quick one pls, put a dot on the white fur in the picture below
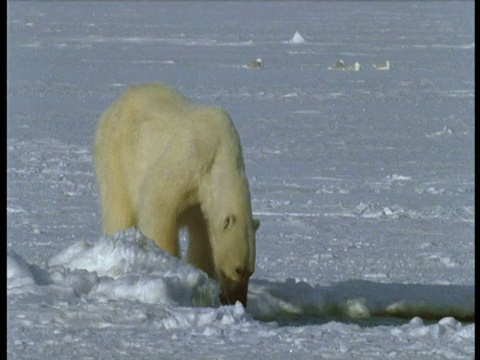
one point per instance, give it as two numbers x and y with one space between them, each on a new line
163 162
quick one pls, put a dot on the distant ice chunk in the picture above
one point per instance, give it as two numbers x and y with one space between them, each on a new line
296 39
256 64
445 132
383 66
355 67
397 177
340 65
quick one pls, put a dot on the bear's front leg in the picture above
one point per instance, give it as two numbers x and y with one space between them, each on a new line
199 252
157 222
165 194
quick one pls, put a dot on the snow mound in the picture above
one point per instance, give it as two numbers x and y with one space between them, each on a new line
123 253
130 266
296 39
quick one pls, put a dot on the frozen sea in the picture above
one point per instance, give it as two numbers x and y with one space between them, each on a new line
363 180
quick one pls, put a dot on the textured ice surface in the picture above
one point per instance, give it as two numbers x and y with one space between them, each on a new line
363 181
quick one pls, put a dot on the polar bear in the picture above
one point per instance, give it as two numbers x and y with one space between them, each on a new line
163 163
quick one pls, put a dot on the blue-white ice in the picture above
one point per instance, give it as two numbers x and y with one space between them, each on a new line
363 180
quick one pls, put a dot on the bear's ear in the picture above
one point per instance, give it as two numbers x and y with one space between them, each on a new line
256 224
228 221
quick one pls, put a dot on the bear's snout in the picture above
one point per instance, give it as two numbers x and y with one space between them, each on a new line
238 293
233 291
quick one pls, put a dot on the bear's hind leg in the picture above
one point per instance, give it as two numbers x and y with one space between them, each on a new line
116 206
199 252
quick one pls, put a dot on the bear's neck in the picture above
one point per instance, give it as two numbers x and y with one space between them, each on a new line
226 191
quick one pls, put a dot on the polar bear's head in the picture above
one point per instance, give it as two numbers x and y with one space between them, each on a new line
225 200
234 256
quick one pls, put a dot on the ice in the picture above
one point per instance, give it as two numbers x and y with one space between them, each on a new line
18 271
363 180
296 39
129 266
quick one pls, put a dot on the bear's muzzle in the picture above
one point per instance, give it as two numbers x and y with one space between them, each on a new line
233 291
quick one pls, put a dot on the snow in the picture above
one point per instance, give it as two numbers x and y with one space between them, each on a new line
132 267
363 181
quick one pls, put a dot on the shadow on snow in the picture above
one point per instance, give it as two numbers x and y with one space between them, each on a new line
360 302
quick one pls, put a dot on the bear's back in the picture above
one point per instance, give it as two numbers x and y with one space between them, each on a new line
146 118
155 98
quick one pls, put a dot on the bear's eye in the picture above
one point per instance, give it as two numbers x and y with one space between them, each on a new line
228 221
